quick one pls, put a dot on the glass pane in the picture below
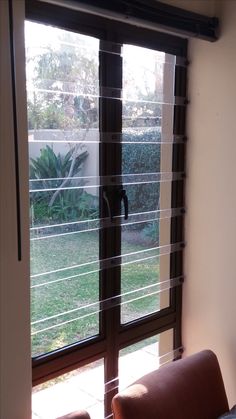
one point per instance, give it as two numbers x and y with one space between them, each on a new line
135 154
140 284
143 357
79 389
62 93
148 92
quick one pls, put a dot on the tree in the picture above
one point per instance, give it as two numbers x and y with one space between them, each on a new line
65 94
63 85
62 90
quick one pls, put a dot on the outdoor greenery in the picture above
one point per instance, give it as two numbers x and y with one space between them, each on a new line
70 294
71 205
65 98
56 172
141 158
66 81
51 166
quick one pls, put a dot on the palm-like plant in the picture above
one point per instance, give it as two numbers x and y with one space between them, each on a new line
51 166
50 174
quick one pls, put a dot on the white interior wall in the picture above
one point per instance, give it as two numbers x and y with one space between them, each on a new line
209 298
209 309
15 353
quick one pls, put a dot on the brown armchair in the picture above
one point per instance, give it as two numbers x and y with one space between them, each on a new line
191 388
80 414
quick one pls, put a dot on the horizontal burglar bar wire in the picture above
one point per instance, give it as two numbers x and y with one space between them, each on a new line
141 216
181 61
109 224
111 179
55 230
119 93
174 354
100 142
123 137
68 278
76 87
163 359
73 87
75 136
108 139
104 46
126 179
157 137
114 93
119 260
57 325
115 300
107 304
97 269
33 333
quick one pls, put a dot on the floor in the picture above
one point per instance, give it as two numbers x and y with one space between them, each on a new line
85 389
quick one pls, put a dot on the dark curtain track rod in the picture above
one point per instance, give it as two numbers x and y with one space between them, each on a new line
155 13
15 128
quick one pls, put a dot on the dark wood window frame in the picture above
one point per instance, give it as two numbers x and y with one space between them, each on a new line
114 336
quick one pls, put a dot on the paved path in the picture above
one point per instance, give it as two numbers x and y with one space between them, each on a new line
85 389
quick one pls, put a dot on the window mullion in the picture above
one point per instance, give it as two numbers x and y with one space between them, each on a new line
177 198
110 72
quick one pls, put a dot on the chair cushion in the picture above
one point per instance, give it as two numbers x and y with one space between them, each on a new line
188 388
79 414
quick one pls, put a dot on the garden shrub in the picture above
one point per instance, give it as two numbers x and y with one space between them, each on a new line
77 204
48 171
142 158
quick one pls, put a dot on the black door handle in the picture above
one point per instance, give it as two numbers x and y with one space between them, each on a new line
112 197
124 197
107 200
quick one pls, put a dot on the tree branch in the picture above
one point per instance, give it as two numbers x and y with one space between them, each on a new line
66 180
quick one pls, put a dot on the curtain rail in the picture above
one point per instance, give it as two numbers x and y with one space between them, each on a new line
148 14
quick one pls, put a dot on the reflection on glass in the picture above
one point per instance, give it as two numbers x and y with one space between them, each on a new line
62 98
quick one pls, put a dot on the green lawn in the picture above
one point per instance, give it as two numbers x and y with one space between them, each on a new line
52 294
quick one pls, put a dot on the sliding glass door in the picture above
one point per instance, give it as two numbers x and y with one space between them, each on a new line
106 161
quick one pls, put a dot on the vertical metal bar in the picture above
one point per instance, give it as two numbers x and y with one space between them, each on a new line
177 224
110 164
15 128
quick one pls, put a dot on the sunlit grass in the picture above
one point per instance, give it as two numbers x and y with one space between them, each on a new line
69 296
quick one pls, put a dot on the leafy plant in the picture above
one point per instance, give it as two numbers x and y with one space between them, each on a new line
142 157
49 165
74 205
48 173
